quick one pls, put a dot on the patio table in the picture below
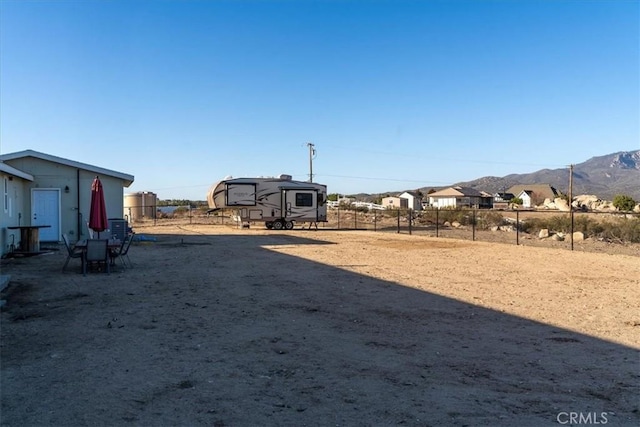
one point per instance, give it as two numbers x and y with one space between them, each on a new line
113 244
29 237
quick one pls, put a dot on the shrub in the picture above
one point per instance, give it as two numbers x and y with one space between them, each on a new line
486 220
454 214
619 229
623 202
622 230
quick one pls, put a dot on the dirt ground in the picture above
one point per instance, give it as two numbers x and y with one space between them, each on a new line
218 326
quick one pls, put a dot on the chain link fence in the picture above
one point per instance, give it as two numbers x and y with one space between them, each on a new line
508 226
565 229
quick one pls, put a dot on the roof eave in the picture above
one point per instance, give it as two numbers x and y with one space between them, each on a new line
10 170
126 178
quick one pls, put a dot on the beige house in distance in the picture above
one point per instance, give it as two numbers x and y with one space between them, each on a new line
42 189
406 200
457 197
394 202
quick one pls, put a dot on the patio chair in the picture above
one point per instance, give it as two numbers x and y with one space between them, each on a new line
72 251
123 251
96 253
89 230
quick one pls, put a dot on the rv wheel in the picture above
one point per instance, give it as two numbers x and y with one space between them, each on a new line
288 225
269 225
277 225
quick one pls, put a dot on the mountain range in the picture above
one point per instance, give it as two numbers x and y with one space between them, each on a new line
601 176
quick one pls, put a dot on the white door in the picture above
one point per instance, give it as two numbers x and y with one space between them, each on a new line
45 210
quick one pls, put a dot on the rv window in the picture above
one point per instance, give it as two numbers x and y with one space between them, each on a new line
304 199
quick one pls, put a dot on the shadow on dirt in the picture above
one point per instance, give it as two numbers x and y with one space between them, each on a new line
238 335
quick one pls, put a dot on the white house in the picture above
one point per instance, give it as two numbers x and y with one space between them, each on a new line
534 194
527 198
41 189
414 200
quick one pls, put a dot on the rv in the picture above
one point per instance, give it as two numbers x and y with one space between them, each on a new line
278 202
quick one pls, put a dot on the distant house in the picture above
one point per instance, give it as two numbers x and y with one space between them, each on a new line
457 197
527 198
395 202
502 200
406 200
486 200
414 199
503 197
534 194
41 189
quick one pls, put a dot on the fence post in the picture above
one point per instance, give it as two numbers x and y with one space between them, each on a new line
398 221
517 227
410 221
339 217
355 218
437 220
375 220
571 212
473 225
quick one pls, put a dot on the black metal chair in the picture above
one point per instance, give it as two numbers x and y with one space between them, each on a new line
72 251
96 254
123 252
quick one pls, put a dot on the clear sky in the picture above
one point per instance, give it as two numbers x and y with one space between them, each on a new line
395 95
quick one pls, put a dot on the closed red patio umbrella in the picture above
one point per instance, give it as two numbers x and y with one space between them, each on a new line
98 212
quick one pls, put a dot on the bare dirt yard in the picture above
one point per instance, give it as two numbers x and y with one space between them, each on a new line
217 326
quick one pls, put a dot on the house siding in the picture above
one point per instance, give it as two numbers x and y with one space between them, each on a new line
443 202
14 210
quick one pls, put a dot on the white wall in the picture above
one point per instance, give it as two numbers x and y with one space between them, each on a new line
526 200
442 202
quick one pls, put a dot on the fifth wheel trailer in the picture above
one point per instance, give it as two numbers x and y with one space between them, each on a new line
278 202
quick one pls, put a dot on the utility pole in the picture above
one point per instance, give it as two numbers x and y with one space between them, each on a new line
312 153
570 188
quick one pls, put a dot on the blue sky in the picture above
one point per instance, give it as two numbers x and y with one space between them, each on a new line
395 95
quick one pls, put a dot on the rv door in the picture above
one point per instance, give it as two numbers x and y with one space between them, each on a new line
300 204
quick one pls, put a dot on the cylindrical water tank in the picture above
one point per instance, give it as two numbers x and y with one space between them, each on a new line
140 205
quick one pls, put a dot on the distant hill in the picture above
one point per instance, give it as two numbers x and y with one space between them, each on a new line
603 176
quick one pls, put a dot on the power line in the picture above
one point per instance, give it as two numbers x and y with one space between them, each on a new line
384 179
450 159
